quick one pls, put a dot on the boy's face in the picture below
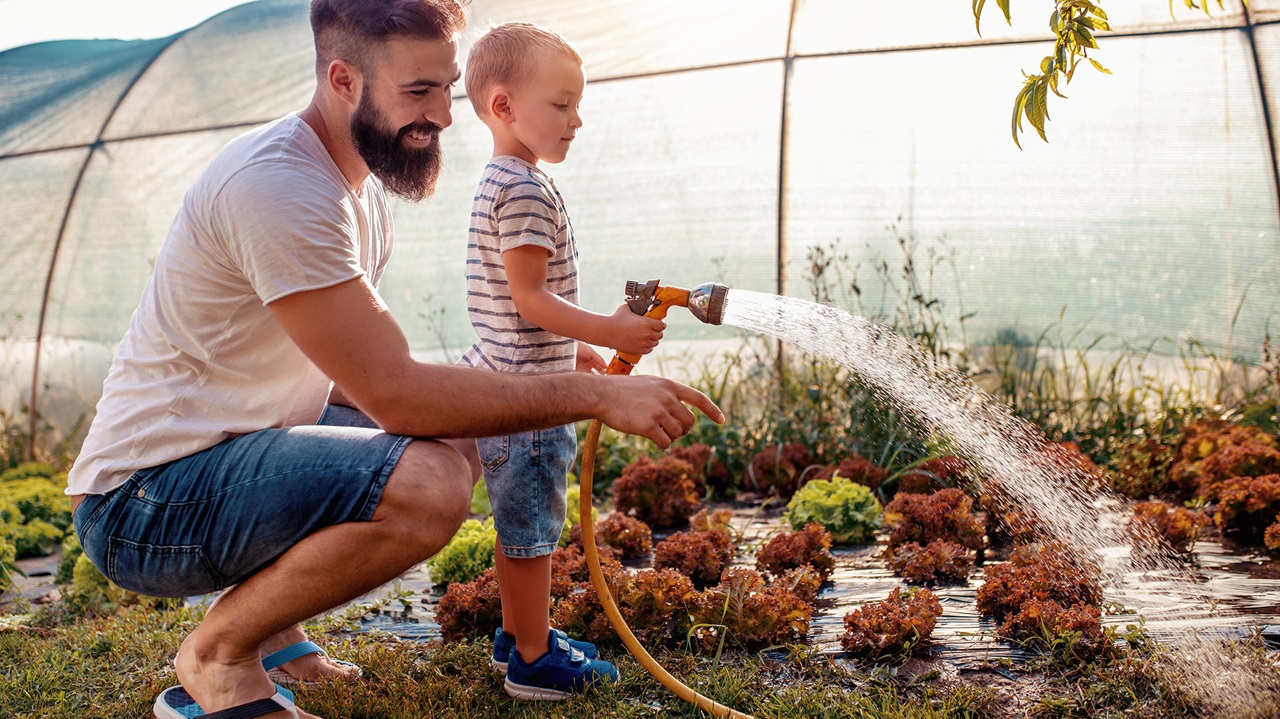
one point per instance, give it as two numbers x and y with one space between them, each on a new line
545 111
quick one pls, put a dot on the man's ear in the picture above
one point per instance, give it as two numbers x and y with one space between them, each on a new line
345 82
500 106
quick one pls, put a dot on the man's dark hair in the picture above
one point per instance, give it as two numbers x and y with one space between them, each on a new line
352 30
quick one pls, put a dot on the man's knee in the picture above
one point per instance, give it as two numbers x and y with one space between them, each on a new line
429 490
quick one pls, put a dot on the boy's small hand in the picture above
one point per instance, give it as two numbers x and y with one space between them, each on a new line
633 333
589 360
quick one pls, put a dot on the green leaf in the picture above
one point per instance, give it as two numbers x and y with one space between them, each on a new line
1098 66
1085 38
1004 7
977 15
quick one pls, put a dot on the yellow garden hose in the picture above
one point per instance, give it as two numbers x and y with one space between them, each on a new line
660 299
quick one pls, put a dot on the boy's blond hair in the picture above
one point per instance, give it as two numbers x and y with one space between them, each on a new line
507 55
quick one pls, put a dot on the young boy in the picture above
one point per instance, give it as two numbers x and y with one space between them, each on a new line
525 83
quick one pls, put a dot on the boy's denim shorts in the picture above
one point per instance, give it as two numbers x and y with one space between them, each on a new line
204 522
526 475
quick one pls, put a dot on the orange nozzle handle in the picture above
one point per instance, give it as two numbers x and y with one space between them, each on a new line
664 298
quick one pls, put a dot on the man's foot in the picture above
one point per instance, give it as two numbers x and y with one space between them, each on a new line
310 667
503 643
558 674
216 682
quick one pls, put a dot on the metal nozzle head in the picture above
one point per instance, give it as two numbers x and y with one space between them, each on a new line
706 302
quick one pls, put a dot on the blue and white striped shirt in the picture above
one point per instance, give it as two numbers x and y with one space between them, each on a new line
517 204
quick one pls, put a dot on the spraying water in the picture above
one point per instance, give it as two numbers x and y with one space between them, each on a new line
1065 501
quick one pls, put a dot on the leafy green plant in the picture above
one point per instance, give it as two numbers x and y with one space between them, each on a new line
34 512
1073 23
467 555
848 510
8 569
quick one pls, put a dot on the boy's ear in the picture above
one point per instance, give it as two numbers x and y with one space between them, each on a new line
500 106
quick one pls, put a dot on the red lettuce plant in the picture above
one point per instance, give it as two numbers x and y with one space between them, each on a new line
894 626
743 611
1271 538
945 471
1140 467
701 556
781 469
1075 630
1212 451
470 609
630 536
856 467
1246 505
1158 523
1038 572
654 603
721 520
923 518
809 547
935 562
661 494
569 568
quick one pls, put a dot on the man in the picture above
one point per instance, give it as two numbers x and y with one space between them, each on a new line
204 468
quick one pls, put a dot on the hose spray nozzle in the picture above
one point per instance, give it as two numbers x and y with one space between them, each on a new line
705 302
651 299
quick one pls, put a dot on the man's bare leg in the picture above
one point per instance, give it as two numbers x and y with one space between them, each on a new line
312 667
423 504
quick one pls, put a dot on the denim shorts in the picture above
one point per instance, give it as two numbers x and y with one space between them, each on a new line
526 475
204 522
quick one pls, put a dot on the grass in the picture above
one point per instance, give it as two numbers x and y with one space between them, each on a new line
58 665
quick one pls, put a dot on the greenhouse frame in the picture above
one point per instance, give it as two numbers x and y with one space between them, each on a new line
724 141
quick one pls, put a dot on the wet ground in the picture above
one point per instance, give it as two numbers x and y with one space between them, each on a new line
1229 589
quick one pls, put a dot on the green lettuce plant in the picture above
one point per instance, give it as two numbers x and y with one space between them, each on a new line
850 511
467 555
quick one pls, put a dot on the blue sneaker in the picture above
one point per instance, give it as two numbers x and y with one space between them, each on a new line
558 674
503 643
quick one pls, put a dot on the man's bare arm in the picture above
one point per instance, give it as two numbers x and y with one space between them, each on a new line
352 338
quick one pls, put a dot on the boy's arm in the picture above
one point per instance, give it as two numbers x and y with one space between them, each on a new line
351 337
624 330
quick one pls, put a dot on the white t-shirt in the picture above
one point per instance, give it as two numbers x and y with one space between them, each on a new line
204 359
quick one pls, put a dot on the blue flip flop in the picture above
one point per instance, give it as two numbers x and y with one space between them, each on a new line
176 703
272 663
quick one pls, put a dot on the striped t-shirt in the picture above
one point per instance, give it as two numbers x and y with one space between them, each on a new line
517 204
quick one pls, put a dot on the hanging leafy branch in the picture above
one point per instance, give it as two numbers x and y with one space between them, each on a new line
1074 23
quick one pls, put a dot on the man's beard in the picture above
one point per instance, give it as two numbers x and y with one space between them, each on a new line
408 173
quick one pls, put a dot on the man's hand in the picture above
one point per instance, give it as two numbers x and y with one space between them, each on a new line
654 408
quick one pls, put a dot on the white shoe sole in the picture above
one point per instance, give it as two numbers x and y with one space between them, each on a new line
499 668
533 694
